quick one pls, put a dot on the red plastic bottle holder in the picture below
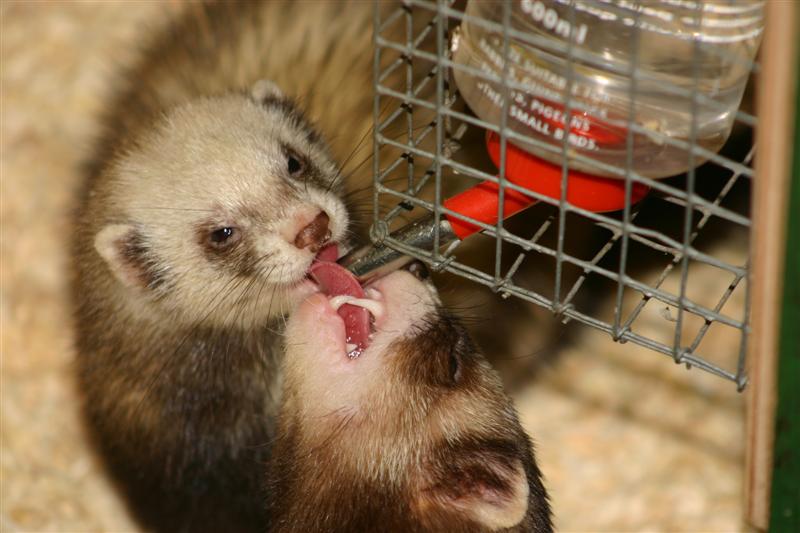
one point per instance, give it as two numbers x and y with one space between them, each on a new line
587 191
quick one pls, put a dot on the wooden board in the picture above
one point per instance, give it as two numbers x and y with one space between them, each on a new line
774 143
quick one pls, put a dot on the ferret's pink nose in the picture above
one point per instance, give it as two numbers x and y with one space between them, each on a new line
315 235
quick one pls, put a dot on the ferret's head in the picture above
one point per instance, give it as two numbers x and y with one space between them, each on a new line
217 211
415 433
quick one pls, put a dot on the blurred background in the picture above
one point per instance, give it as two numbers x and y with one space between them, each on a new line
627 440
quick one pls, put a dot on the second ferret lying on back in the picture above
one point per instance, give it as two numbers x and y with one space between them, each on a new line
414 434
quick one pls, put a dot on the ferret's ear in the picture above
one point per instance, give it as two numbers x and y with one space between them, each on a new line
121 247
264 90
488 488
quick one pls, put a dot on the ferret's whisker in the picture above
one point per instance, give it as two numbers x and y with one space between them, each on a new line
168 208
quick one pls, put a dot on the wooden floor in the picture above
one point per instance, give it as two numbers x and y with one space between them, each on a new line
627 440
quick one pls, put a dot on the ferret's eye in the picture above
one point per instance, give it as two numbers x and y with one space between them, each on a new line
455 367
223 237
294 163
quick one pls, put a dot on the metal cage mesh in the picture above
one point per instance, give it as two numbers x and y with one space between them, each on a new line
422 131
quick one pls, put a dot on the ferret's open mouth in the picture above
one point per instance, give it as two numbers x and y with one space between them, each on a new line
357 306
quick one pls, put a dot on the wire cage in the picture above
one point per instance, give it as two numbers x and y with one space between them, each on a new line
425 149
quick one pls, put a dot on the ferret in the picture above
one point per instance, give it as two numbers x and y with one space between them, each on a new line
208 197
413 434
209 194
193 244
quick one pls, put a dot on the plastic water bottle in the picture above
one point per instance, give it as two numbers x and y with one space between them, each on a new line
635 65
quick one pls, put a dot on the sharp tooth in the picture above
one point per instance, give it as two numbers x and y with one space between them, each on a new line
338 301
353 354
376 308
351 347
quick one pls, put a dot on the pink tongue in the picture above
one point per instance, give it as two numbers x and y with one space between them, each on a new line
329 253
335 280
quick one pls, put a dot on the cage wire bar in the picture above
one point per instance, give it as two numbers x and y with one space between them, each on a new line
413 80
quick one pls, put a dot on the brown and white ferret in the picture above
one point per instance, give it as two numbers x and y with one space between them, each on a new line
189 250
208 198
414 433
